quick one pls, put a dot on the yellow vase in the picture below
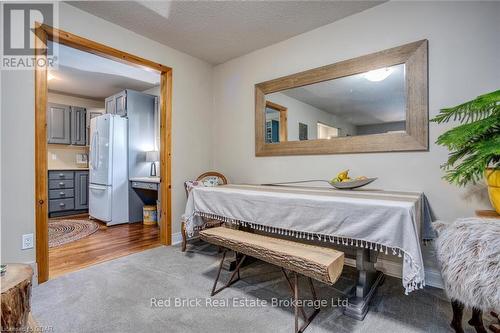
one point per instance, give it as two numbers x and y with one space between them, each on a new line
493 180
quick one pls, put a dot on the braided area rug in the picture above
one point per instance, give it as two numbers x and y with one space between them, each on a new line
67 231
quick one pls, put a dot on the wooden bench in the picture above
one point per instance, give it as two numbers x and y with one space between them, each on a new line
314 262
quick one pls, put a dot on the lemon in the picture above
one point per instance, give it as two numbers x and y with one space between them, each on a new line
343 175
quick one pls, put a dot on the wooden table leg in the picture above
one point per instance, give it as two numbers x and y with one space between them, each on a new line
458 312
368 280
296 299
477 320
184 236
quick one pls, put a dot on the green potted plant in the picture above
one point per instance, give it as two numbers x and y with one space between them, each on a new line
474 145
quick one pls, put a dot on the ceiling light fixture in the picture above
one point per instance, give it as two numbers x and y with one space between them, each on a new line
377 75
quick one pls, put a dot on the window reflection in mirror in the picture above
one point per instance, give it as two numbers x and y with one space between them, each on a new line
361 104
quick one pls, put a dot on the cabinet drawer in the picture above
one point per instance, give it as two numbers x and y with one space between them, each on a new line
61 194
60 174
56 205
64 183
145 185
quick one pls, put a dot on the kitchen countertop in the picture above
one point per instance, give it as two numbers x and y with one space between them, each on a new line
145 179
69 169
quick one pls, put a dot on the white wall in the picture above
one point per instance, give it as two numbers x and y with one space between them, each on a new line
300 112
192 100
57 97
464 62
307 114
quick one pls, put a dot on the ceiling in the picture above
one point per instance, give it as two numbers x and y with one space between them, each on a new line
87 75
217 31
356 99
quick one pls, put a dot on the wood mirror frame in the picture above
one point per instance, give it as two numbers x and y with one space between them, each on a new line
416 137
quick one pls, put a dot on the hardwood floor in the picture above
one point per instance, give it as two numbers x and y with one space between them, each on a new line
105 244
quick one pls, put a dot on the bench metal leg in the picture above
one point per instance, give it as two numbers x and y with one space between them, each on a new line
368 281
232 279
294 288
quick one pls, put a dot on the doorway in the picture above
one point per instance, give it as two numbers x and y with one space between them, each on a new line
44 35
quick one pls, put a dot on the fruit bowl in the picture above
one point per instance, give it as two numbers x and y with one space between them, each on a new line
351 184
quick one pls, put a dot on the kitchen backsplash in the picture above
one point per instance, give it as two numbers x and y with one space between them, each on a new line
65 157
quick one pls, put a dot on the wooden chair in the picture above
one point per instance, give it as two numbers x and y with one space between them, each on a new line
208 177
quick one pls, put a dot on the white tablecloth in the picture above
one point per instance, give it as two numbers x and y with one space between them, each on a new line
384 221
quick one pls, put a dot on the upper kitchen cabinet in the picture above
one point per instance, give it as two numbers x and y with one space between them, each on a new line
110 104
66 124
78 126
117 104
58 123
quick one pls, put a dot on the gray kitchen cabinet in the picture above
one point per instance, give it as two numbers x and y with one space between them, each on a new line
117 104
62 174
55 184
110 104
78 126
81 190
58 124
68 192
66 124
62 193
121 103
60 205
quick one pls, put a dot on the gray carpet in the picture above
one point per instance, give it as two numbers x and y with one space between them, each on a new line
115 296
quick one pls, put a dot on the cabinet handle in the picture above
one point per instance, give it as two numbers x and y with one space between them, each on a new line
62 204
62 194
61 184
61 175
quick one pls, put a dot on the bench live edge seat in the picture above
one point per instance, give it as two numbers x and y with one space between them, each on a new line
319 263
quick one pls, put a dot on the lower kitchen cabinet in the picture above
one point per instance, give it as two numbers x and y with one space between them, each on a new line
81 190
68 192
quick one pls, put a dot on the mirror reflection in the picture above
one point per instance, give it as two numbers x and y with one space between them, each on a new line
362 104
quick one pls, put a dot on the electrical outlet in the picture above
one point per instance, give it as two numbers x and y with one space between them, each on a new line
54 156
27 241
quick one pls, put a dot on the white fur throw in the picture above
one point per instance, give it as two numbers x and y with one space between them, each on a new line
469 253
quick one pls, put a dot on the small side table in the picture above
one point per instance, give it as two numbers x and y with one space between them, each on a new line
487 214
16 297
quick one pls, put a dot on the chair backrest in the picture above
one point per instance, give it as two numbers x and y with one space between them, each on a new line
210 178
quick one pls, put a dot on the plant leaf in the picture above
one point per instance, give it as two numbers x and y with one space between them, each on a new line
479 108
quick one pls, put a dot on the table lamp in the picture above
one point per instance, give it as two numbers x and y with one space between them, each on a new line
153 157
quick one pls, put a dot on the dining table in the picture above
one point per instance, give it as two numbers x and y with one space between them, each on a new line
369 221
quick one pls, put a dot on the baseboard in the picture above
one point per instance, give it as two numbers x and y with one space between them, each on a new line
176 238
391 268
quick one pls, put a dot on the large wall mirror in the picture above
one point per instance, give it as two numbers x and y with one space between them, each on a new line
373 103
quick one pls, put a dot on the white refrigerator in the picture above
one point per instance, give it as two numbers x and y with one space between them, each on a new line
108 169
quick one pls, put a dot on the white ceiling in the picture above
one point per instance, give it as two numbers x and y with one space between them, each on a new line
87 75
356 99
217 31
